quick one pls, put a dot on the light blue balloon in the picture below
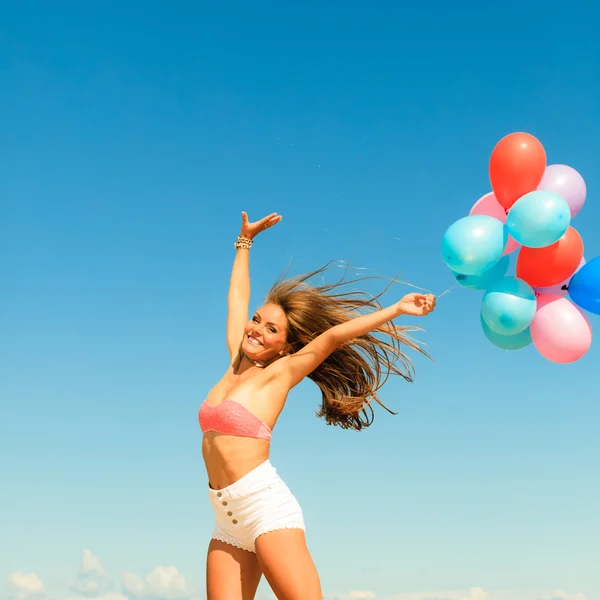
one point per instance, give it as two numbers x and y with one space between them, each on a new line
508 306
507 342
474 244
539 219
483 281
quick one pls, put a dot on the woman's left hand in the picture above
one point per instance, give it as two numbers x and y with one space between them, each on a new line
417 305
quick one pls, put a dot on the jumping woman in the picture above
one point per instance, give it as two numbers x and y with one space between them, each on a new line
347 344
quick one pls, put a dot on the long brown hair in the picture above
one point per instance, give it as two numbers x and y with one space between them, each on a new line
352 375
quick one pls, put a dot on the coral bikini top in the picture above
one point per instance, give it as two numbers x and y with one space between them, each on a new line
231 418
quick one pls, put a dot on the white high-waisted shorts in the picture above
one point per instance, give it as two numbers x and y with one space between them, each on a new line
255 504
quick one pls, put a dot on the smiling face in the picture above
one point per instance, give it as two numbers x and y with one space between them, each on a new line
265 337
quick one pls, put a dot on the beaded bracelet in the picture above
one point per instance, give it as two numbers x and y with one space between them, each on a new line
243 242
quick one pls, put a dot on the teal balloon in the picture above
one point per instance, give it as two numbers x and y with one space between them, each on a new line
539 219
483 281
508 306
506 342
474 244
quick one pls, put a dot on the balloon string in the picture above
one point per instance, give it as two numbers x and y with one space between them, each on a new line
411 285
445 292
438 296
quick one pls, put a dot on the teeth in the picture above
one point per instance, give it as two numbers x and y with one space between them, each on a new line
254 341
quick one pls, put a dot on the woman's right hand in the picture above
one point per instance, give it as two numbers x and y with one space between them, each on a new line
251 230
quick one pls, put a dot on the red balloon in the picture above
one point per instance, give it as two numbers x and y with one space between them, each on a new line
517 165
543 267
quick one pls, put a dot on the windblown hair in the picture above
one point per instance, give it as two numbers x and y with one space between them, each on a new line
351 377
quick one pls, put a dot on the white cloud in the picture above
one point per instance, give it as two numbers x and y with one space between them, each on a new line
563 596
164 583
132 584
26 585
90 564
88 587
108 596
90 580
475 593
478 593
167 583
353 595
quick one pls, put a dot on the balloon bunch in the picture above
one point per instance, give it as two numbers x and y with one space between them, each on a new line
530 210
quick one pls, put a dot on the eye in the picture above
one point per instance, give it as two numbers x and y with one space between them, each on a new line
255 318
272 330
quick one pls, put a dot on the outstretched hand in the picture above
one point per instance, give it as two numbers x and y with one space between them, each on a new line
417 305
251 230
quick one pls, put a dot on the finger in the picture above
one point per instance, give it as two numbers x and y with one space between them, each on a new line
266 219
272 222
244 217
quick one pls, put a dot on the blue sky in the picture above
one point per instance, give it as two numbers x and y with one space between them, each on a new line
131 138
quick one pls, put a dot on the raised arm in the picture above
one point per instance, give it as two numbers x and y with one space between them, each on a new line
238 298
297 366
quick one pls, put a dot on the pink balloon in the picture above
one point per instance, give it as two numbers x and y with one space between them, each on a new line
557 290
566 182
560 331
488 205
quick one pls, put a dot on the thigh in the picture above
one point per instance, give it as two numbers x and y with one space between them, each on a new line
231 573
287 565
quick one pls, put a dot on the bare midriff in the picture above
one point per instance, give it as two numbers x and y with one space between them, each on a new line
228 458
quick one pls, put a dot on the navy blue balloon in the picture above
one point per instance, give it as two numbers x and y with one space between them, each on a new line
584 287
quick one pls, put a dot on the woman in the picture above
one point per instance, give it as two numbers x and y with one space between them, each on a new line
300 331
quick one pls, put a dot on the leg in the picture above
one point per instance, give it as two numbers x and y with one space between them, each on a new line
288 567
231 573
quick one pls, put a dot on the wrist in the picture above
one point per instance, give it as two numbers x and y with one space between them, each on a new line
243 242
398 309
